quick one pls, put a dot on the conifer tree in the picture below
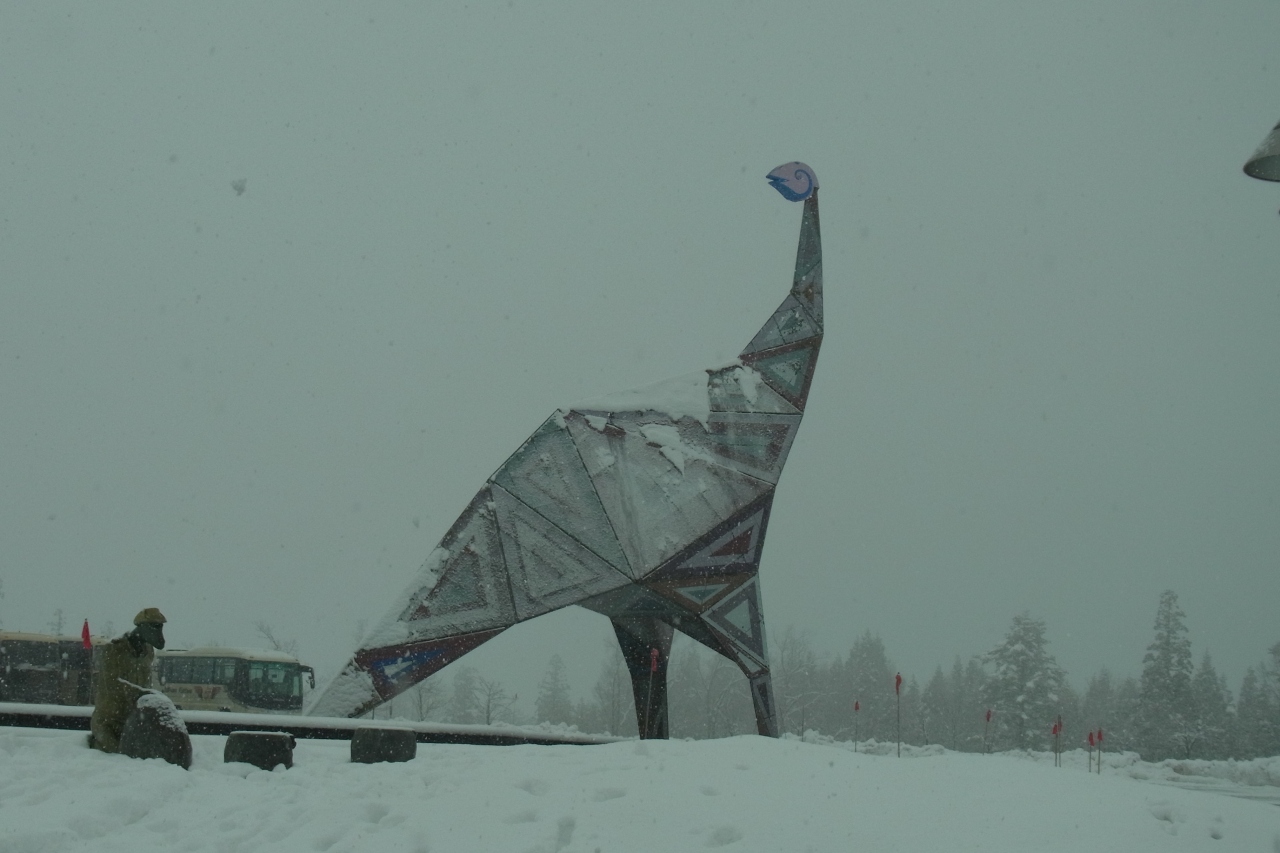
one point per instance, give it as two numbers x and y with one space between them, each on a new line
1210 731
709 696
913 728
936 710
1025 687
871 678
554 705
1097 709
970 693
1124 716
464 701
797 682
613 708
1257 718
1166 723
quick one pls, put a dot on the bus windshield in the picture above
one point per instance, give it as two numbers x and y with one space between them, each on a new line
274 685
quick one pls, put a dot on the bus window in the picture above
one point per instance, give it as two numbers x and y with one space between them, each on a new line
201 670
176 670
224 671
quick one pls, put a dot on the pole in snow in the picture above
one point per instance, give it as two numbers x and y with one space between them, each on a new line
897 691
856 708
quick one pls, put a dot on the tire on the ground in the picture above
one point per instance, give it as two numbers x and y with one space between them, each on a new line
264 750
370 745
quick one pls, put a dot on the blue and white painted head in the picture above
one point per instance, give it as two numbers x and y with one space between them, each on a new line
794 180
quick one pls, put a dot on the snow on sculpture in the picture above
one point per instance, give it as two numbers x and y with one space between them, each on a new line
648 506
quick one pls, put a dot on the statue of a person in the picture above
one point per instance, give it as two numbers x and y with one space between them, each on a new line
124 668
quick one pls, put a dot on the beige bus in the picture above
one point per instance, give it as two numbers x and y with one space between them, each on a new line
45 669
223 679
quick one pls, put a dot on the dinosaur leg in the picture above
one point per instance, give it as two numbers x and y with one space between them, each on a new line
640 637
734 627
762 699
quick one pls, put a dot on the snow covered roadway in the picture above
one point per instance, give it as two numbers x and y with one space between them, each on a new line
739 794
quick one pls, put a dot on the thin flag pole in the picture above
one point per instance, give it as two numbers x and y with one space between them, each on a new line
897 691
856 708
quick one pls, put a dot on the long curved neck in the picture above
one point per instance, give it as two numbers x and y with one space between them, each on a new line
785 350
807 285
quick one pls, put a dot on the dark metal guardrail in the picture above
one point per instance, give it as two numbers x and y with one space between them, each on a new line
76 718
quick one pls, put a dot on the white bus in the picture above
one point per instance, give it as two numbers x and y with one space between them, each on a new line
221 679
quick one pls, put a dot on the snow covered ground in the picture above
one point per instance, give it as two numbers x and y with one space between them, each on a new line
739 794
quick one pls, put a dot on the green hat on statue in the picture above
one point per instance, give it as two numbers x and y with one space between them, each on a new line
151 614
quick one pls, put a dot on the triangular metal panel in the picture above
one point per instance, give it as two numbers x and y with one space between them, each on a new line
808 292
472 593
741 388
700 592
734 546
788 369
752 444
548 568
790 323
547 475
658 497
740 618
397 668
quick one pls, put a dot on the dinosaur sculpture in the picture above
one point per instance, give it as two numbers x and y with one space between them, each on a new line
649 507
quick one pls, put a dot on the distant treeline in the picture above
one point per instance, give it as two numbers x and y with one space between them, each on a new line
1175 709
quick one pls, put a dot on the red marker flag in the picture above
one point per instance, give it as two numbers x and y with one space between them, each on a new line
897 683
84 636
1091 740
1099 737
988 715
856 706
653 660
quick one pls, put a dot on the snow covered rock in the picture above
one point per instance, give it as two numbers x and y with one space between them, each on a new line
373 744
155 730
264 750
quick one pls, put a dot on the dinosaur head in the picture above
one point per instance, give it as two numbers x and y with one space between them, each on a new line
794 180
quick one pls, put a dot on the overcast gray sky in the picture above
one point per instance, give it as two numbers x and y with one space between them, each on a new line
1049 380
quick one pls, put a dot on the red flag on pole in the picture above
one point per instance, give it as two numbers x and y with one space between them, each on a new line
856 706
1091 740
897 683
1099 736
653 660
84 636
988 715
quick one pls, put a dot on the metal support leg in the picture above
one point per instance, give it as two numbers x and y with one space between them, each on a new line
762 699
639 637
